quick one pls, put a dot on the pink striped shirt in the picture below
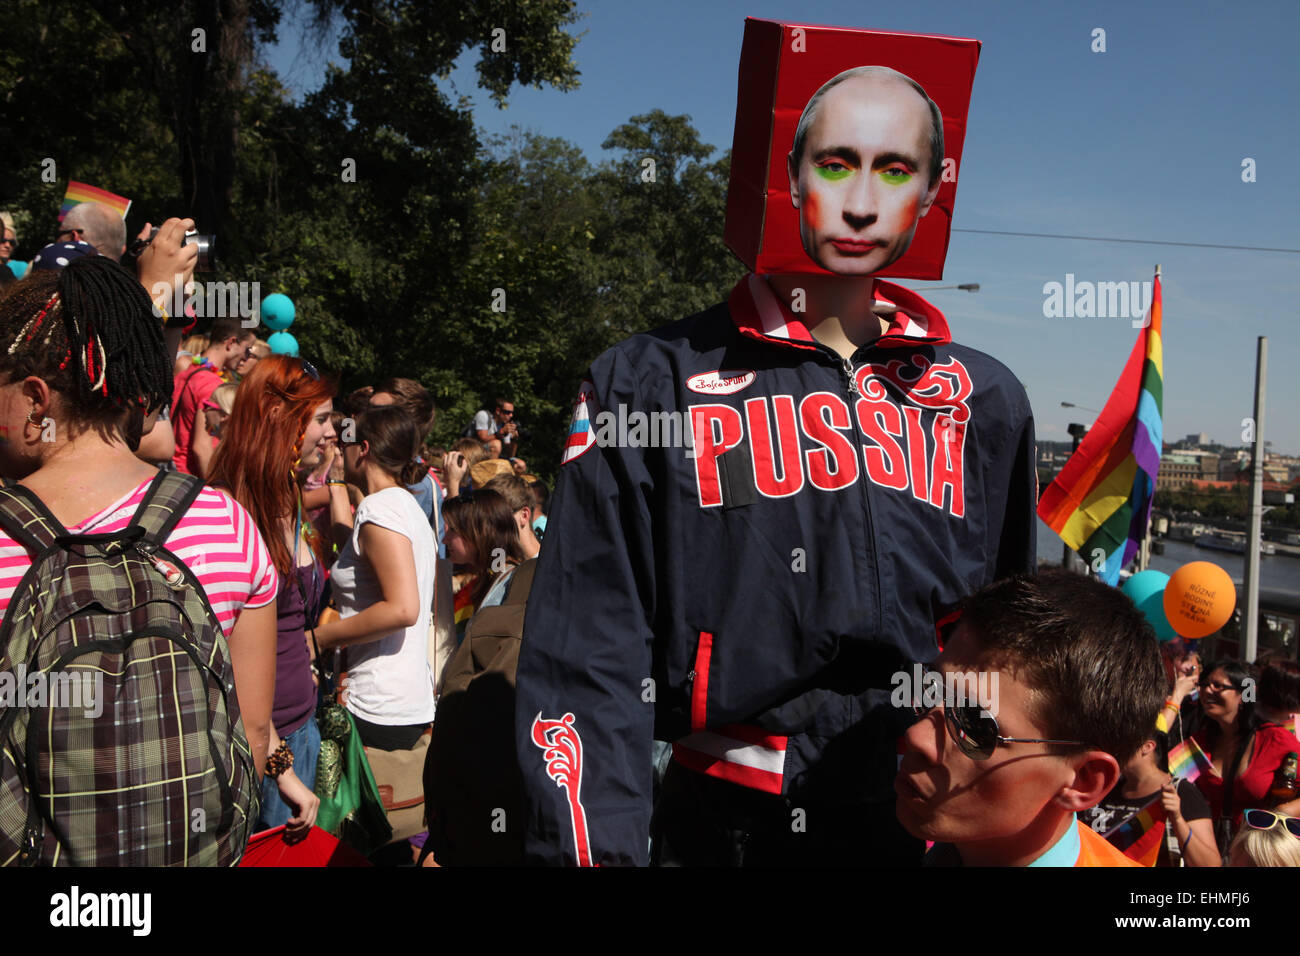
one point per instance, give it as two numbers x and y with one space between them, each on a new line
216 538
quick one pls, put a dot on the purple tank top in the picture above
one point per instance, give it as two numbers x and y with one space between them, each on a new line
295 694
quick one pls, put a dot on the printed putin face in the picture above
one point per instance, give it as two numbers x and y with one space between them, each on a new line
861 184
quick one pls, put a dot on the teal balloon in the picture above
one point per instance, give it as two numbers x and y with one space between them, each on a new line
277 311
282 343
1146 589
19 269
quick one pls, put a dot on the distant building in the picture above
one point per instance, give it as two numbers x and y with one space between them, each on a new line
1197 440
1274 472
1232 469
1208 462
1177 470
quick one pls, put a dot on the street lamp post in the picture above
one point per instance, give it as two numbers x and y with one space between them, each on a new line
1069 559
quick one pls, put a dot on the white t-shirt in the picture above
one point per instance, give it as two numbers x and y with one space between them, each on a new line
389 681
485 421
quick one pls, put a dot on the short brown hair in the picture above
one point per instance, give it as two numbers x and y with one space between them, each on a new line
512 488
226 326
412 396
472 449
357 400
1086 650
537 488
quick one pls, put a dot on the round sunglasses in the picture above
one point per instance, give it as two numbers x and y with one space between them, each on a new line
972 728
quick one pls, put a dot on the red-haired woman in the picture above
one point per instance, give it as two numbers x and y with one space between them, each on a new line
281 419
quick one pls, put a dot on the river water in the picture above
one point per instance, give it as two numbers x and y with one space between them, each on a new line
1275 570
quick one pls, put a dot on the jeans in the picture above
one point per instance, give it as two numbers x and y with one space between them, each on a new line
304 744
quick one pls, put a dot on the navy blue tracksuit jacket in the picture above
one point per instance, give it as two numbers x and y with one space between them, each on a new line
748 597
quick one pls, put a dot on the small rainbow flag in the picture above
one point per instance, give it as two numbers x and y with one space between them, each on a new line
1100 503
1188 761
1139 837
81 192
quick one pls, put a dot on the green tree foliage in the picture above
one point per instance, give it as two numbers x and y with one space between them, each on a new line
410 246
663 233
1231 502
587 256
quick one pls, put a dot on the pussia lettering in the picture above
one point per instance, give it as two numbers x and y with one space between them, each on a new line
912 416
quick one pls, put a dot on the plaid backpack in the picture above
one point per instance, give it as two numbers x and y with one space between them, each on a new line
151 766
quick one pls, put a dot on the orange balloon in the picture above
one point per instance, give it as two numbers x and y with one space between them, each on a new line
1199 599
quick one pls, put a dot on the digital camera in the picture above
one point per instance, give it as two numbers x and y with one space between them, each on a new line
207 245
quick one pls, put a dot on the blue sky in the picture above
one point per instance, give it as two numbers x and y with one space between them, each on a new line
1143 141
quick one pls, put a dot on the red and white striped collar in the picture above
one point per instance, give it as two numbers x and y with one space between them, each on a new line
758 313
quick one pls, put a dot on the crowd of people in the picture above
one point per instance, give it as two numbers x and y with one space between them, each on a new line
317 531
321 528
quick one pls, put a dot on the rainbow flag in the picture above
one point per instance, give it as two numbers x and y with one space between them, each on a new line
1100 503
1139 837
1188 760
463 608
80 192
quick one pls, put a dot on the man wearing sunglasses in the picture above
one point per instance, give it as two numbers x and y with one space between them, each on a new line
999 783
496 429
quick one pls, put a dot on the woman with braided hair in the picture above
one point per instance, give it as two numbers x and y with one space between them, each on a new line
82 363
281 420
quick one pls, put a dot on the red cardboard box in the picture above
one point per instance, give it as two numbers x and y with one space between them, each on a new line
781 66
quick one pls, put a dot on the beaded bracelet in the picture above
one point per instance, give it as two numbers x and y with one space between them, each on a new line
280 761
